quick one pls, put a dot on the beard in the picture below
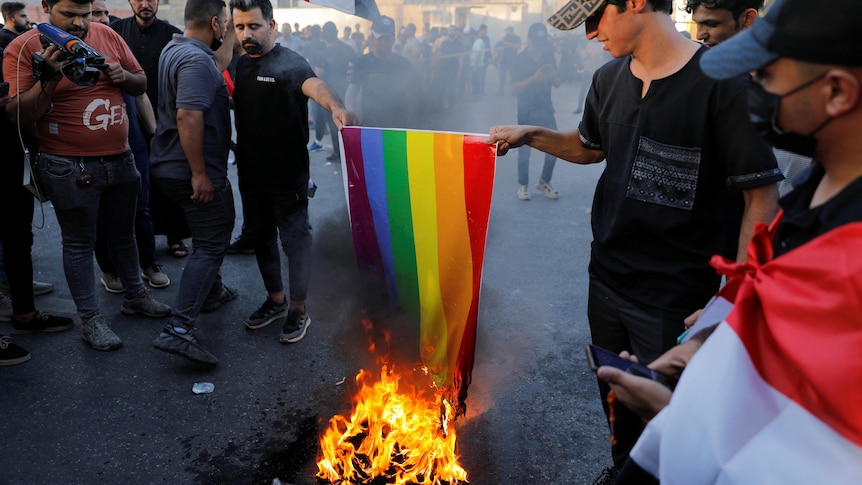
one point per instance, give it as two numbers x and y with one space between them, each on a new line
252 47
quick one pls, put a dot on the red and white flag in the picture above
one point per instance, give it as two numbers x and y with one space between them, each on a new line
775 394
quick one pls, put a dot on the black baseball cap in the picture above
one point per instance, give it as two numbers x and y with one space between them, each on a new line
538 32
820 32
383 26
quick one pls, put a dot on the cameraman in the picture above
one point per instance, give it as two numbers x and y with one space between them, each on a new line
85 166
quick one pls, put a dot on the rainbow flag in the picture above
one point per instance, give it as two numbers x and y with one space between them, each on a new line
419 203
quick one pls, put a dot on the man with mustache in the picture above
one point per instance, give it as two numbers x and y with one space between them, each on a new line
273 85
85 166
147 36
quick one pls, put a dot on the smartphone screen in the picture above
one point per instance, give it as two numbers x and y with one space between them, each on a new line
597 357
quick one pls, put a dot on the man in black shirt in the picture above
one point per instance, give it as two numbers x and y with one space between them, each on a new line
672 140
273 85
146 36
383 86
15 22
332 65
534 73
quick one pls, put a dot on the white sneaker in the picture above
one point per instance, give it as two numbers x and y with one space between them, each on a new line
548 189
524 192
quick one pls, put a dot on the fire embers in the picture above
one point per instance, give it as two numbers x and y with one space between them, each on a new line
394 435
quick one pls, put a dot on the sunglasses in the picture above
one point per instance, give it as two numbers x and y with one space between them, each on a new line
592 22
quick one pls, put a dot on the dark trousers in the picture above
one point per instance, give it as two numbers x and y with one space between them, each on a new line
211 226
274 213
616 325
144 234
16 233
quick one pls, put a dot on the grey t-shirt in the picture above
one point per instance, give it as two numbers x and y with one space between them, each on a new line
189 79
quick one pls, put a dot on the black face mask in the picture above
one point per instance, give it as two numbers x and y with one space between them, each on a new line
217 42
763 110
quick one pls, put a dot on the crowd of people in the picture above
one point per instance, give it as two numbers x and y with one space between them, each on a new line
685 131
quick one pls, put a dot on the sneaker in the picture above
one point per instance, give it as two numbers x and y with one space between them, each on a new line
524 192
241 245
294 327
111 282
96 332
215 301
156 277
144 304
607 477
548 189
42 322
182 341
266 314
11 354
5 308
39 288
315 146
335 157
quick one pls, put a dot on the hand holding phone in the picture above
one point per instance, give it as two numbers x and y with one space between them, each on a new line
597 357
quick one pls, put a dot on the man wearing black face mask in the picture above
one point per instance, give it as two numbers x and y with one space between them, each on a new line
795 320
189 164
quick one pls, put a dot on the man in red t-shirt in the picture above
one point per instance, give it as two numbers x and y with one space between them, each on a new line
85 166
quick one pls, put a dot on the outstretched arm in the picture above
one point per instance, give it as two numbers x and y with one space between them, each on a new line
324 95
565 145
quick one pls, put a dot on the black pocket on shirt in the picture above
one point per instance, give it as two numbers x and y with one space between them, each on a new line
664 174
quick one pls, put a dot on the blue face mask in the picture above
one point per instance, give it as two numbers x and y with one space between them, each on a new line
763 109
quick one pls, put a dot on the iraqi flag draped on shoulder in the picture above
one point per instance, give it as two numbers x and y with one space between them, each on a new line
366 9
419 204
775 395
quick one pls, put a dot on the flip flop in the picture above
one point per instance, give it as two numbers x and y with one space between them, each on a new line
178 249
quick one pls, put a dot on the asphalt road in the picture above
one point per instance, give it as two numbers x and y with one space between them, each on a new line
75 415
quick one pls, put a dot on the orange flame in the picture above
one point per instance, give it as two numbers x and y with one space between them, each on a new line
397 431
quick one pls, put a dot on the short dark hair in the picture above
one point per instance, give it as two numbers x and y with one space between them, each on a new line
265 7
198 13
51 3
11 8
665 6
736 7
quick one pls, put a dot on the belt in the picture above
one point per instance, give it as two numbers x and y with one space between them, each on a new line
102 158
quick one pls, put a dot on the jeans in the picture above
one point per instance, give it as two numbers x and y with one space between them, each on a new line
16 232
108 202
617 325
211 227
276 213
537 118
144 234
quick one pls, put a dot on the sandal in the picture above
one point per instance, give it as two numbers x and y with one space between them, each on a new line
178 249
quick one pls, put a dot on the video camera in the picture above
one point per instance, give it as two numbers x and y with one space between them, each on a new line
81 63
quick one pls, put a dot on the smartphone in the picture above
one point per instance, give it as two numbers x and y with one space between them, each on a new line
4 89
597 357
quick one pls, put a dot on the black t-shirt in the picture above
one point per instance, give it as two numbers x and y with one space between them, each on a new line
537 96
335 61
658 215
272 119
389 91
6 36
146 45
802 223
449 55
